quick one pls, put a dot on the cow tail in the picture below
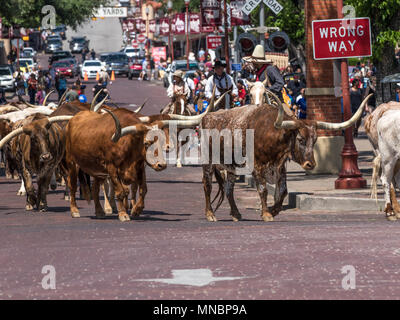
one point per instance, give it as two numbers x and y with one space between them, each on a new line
221 190
374 181
84 185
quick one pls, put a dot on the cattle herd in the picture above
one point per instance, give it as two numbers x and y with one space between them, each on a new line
106 147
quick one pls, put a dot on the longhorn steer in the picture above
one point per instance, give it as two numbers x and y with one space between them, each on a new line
381 128
275 141
89 146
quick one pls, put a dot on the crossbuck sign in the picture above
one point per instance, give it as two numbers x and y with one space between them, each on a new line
250 5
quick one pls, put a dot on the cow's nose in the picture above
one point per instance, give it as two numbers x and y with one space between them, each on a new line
167 147
308 165
45 156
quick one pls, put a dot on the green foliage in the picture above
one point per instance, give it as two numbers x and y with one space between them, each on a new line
385 22
28 13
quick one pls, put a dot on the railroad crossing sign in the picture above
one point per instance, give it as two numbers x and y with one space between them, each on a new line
250 5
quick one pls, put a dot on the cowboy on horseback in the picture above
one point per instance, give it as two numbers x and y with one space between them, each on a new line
224 83
263 70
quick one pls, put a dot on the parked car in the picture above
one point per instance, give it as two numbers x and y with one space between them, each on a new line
29 53
135 68
103 57
66 67
131 52
77 44
74 64
7 81
60 31
53 37
53 45
59 55
178 65
117 62
26 63
91 67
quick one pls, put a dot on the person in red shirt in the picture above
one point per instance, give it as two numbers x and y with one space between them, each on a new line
241 92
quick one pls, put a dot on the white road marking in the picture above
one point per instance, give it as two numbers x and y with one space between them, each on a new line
192 277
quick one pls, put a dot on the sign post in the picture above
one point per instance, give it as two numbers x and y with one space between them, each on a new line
339 39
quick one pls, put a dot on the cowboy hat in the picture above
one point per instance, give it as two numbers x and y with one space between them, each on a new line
258 56
178 73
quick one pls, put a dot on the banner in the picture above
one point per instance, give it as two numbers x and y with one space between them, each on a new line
179 23
140 25
210 13
158 53
194 23
207 29
238 17
152 26
164 26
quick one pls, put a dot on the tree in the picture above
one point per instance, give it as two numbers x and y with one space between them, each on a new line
385 29
28 13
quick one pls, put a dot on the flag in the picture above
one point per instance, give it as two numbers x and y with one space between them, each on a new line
210 13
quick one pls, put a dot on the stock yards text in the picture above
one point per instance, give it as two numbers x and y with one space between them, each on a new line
206 309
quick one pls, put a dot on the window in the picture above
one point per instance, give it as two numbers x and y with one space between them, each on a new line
92 64
5 72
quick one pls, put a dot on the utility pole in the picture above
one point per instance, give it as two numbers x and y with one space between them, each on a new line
262 23
226 45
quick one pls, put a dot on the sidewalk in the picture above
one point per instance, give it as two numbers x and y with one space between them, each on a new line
317 192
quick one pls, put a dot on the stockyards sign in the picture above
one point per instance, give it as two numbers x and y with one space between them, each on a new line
341 38
211 13
111 12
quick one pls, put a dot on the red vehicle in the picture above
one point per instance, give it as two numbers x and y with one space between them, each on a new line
135 68
65 67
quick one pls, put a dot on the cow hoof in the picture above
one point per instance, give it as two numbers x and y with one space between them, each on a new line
28 207
267 217
212 218
136 212
237 217
53 186
108 211
43 209
16 177
391 218
21 193
178 164
124 217
8 175
67 198
75 215
398 215
100 216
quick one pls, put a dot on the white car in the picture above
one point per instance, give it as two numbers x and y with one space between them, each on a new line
91 67
7 80
23 62
29 53
131 52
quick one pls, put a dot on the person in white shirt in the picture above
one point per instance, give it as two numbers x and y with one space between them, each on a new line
224 82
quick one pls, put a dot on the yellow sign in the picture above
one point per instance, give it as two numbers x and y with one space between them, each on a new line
26 38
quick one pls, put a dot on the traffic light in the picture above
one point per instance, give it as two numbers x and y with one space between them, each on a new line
245 44
277 42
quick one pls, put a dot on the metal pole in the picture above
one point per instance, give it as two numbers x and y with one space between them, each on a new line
235 34
228 69
262 23
187 35
350 176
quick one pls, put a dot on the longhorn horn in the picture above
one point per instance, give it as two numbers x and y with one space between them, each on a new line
94 99
10 136
141 107
60 118
100 104
346 124
118 132
63 97
279 123
188 122
46 97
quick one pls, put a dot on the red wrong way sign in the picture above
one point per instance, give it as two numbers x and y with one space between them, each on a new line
341 38
141 38
213 42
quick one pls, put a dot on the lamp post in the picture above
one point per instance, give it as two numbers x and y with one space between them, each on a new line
170 40
226 45
147 29
350 176
187 33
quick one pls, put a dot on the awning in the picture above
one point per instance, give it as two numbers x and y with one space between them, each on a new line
393 78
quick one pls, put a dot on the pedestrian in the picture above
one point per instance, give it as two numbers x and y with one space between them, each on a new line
398 92
72 94
201 55
62 86
224 83
20 85
152 68
241 92
83 53
100 86
93 54
3 99
104 76
301 105
355 99
32 88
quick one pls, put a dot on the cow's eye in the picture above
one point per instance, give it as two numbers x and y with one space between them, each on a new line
301 140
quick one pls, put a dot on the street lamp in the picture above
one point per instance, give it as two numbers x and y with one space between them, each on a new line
147 28
187 33
170 41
